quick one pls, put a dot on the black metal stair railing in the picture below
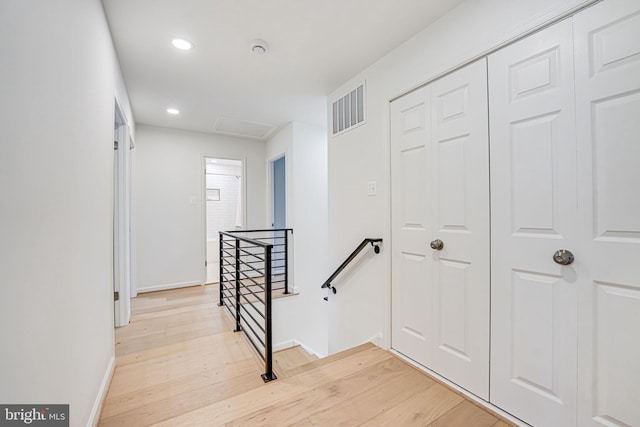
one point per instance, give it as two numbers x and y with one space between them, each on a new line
253 264
376 248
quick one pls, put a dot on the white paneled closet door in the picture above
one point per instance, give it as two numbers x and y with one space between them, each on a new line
411 226
460 219
533 214
440 194
607 40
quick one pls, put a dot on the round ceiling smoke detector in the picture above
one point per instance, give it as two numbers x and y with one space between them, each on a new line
258 46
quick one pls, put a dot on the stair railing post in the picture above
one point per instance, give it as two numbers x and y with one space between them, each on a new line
286 262
237 286
268 349
221 260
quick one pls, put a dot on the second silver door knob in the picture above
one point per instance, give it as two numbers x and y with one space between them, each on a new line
437 244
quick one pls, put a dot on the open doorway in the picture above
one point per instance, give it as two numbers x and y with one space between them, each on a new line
279 204
224 196
279 193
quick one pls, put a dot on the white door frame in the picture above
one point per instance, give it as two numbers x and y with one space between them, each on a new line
243 198
133 282
121 219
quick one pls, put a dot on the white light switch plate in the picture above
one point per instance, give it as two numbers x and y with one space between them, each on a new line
372 188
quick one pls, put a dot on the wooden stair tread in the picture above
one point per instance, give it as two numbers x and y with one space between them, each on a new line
283 392
290 358
331 358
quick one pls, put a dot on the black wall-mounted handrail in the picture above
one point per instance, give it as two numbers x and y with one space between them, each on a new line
354 254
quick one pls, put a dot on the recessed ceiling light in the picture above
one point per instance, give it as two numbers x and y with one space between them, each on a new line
258 46
182 44
173 111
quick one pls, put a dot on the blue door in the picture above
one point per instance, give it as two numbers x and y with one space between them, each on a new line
279 194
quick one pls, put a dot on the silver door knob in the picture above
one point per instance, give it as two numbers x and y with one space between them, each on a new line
563 257
437 245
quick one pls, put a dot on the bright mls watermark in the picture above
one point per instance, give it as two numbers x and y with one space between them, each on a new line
34 415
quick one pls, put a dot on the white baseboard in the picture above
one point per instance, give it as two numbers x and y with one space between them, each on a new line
293 343
94 417
168 286
462 391
377 340
285 345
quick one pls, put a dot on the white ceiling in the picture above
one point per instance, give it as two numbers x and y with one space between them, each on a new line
314 47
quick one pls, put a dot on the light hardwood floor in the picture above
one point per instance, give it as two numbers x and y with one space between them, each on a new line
179 363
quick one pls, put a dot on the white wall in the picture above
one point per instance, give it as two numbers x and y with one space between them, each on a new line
222 214
170 232
302 318
59 77
361 309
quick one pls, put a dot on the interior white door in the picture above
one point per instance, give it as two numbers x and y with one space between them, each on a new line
607 38
440 192
533 214
411 284
459 174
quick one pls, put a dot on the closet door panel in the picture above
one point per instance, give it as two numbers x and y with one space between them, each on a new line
460 176
411 226
533 214
607 38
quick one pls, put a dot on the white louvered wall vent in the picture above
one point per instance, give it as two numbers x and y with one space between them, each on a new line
348 111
